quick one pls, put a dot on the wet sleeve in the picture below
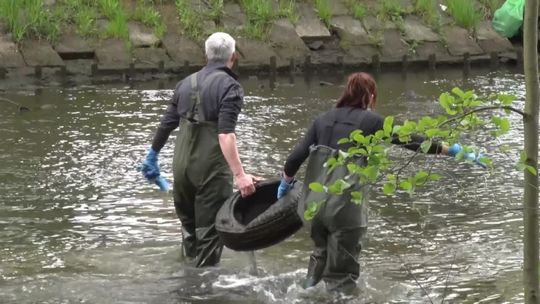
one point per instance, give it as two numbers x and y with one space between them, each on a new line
415 142
300 152
169 122
230 108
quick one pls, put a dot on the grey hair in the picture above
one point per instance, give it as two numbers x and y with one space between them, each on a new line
219 47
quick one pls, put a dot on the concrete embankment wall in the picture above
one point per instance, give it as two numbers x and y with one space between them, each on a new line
307 44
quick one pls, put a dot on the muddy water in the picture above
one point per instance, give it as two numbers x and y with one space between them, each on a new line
79 225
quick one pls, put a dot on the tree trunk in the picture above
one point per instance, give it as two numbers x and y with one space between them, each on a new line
530 122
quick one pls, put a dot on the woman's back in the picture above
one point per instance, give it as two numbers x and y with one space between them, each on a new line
338 123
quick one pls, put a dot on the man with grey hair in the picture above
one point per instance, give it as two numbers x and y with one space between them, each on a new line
205 106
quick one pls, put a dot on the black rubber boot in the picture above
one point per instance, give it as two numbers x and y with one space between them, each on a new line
189 244
315 271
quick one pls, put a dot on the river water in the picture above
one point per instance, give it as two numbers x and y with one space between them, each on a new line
78 224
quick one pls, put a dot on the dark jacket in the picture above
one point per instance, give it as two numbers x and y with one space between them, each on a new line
222 102
338 123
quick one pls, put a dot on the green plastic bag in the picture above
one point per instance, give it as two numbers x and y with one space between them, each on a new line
508 19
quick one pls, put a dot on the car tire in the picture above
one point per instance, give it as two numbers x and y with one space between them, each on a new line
260 220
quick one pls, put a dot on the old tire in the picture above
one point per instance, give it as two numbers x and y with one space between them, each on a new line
260 220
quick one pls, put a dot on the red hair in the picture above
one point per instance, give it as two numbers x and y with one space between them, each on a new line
361 92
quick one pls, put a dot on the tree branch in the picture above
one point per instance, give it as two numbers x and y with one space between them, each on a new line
482 110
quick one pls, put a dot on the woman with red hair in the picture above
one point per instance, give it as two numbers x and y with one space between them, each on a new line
339 225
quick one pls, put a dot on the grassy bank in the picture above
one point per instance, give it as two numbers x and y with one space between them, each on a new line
109 18
33 19
29 18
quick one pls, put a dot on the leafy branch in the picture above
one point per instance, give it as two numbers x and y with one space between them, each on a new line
462 109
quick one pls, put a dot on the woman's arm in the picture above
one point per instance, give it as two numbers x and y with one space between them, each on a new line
299 154
417 140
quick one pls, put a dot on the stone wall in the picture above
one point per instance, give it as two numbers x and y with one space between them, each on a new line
308 44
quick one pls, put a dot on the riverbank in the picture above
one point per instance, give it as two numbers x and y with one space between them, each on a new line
296 36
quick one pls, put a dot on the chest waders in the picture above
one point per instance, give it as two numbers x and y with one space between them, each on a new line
339 224
202 179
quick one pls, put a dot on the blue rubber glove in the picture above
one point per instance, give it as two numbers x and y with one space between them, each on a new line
469 156
150 170
162 183
283 188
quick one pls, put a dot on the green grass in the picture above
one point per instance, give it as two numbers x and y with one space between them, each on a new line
109 8
464 13
85 20
10 10
216 10
260 14
491 6
118 27
427 9
391 10
190 20
29 18
376 38
358 9
146 13
287 8
118 19
324 10
82 14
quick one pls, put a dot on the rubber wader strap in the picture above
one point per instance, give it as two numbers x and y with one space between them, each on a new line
197 113
328 130
191 115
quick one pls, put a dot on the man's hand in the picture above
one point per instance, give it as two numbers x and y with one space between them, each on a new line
150 166
150 170
246 183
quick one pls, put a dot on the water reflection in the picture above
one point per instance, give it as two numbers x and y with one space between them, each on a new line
78 223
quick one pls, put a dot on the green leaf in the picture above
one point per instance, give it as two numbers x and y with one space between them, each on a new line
359 138
502 123
522 156
388 125
389 188
505 125
355 133
330 163
447 101
312 210
434 177
371 172
459 93
426 144
338 186
406 185
506 99
504 148
343 154
317 187
531 169
421 176
379 135
378 149
357 197
475 103
357 151
343 141
352 168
